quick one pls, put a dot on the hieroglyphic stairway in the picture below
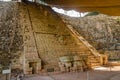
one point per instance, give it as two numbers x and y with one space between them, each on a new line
50 38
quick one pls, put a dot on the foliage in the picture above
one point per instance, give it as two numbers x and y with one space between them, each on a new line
92 14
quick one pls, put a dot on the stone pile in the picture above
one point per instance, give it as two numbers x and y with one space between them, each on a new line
102 31
10 32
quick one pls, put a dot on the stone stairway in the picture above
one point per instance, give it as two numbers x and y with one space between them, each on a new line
94 59
54 39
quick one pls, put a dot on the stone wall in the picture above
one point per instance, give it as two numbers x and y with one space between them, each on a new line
30 57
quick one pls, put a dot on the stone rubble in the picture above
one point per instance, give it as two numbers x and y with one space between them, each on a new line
11 39
101 31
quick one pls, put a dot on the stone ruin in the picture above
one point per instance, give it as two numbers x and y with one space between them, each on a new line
37 43
101 31
73 63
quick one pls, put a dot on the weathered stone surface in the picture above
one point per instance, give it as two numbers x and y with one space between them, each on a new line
50 36
11 39
101 31
45 38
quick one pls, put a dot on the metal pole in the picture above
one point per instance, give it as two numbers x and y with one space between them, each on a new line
24 59
6 76
110 68
87 75
10 73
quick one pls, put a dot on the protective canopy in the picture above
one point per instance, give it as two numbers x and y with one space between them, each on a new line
110 7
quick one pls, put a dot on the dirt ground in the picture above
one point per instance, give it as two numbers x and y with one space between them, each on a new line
101 73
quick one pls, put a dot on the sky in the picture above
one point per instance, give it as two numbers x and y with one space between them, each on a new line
71 13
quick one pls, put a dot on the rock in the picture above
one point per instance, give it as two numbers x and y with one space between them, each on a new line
100 31
10 37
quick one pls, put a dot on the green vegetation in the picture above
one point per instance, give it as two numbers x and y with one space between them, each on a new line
92 14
